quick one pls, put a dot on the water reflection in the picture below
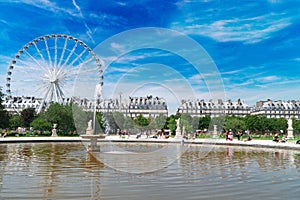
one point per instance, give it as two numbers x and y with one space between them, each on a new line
48 171
67 171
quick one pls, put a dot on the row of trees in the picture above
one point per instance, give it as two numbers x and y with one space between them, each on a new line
65 115
3 113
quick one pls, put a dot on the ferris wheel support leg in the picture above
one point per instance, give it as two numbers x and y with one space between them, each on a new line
44 99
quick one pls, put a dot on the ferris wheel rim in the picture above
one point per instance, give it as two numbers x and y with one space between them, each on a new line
33 43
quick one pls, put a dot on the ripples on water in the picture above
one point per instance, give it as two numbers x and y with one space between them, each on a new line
66 171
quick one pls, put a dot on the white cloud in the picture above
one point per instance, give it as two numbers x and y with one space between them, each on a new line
117 46
248 30
268 79
297 59
232 72
88 30
49 5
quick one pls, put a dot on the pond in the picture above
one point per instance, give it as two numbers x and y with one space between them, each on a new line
67 171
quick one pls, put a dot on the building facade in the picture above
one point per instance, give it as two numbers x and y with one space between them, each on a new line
150 106
147 106
277 109
212 108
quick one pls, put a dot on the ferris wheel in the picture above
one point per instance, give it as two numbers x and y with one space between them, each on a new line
47 67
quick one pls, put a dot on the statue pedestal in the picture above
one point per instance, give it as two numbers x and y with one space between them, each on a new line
215 132
290 132
178 134
93 141
89 132
54 133
54 130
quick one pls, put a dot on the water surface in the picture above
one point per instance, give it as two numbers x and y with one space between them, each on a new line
67 171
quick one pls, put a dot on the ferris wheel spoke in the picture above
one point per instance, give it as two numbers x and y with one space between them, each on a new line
26 81
35 60
63 52
70 54
55 52
28 68
54 91
48 52
40 54
60 92
84 63
43 100
79 56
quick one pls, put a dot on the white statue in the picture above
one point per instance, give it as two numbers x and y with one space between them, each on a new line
177 122
54 131
290 123
178 129
90 125
89 130
290 130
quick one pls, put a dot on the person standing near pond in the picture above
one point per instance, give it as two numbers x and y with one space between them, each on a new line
4 133
276 138
230 136
239 134
226 135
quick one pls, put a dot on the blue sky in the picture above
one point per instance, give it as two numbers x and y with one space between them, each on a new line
255 45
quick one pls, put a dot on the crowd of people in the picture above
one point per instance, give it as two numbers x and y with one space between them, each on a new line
229 135
282 140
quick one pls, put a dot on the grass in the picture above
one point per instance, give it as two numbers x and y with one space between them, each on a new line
36 134
254 137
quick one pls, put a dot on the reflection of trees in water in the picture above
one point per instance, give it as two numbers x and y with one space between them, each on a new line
3 158
15 158
130 147
296 159
60 163
50 168
235 161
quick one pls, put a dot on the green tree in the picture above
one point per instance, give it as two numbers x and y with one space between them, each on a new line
171 123
186 116
160 122
41 124
277 124
186 125
185 122
111 123
195 123
141 122
27 116
219 121
128 124
296 125
62 116
15 121
204 122
234 123
80 118
257 123
119 119
101 122
4 117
